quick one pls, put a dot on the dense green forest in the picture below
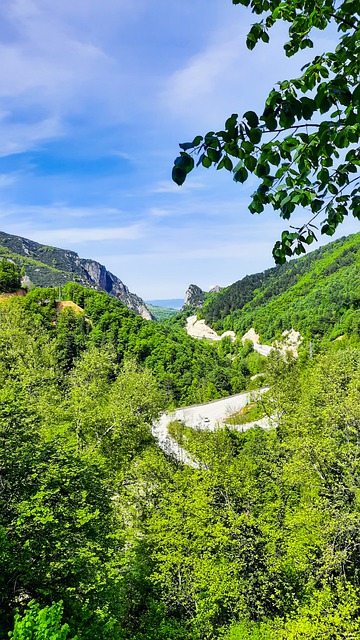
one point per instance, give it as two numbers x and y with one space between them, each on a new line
104 536
318 295
10 276
188 371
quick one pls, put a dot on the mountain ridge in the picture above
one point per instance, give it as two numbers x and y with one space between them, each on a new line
317 294
45 265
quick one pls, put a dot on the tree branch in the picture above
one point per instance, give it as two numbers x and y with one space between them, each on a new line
344 21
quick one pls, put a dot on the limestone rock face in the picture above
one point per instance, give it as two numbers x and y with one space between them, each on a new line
194 297
52 267
198 329
105 280
263 349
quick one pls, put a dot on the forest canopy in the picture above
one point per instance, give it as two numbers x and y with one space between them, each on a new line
10 276
304 145
104 536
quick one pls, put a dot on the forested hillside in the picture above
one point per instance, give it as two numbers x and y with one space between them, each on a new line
46 266
318 295
105 537
187 371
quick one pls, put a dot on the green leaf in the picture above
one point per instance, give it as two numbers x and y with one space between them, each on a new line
255 135
186 145
250 162
274 158
252 118
231 122
178 176
197 140
241 175
210 138
316 205
262 169
333 189
185 162
214 154
206 162
227 163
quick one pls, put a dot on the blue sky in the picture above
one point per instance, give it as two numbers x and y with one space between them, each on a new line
95 96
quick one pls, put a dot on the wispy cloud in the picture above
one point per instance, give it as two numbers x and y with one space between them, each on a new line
94 98
56 211
75 235
166 186
7 179
19 137
55 67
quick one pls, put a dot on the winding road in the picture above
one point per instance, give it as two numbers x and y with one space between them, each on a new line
206 417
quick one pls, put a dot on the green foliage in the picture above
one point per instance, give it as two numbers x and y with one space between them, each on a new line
187 370
259 542
57 519
331 615
304 146
112 415
10 276
44 275
266 533
250 413
40 624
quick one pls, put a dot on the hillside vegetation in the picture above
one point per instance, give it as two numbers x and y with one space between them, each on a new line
46 266
105 537
161 313
318 295
40 270
187 371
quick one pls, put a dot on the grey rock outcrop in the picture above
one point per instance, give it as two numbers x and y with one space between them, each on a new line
107 281
50 267
194 297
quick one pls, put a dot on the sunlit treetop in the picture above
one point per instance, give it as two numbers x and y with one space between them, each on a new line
304 146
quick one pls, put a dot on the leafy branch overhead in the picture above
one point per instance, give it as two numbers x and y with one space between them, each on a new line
304 146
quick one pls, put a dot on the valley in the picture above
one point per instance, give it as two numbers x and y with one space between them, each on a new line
138 493
183 464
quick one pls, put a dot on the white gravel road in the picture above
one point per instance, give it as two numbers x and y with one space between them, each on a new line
205 417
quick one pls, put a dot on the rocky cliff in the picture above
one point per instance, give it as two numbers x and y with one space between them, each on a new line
51 267
194 296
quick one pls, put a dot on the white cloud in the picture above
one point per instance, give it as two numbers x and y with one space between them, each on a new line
75 235
58 211
7 179
55 66
227 78
159 212
20 137
166 186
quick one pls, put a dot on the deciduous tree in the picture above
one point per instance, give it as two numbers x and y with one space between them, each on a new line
304 145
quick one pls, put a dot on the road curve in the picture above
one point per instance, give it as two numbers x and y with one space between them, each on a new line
205 417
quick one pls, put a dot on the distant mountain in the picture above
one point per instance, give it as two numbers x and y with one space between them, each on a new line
167 303
47 266
161 313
